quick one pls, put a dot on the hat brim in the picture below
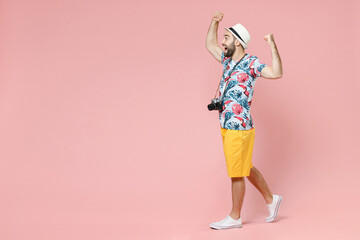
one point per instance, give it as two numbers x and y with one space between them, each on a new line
242 43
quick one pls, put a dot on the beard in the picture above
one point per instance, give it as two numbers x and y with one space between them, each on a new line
230 50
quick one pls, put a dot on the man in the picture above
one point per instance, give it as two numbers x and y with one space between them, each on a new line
237 128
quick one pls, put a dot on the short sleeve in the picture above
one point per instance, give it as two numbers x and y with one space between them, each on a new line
258 65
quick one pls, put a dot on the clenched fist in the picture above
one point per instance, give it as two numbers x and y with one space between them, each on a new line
269 38
217 17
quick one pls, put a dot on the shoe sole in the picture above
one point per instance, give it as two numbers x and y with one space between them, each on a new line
219 228
276 211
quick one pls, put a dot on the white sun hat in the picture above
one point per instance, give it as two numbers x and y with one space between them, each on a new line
241 34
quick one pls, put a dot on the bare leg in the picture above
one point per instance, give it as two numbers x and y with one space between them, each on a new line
259 182
238 193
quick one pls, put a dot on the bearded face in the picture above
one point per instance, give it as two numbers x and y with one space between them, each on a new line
229 49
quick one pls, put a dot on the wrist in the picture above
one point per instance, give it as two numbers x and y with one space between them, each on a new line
272 44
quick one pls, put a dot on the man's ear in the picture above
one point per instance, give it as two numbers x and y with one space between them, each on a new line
238 44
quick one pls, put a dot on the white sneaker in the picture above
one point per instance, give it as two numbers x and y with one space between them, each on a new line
273 208
227 222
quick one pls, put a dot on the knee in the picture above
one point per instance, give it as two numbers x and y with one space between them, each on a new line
234 179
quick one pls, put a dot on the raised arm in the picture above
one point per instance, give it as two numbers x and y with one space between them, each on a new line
211 38
275 70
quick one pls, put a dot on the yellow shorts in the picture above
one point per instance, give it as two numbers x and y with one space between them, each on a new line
238 148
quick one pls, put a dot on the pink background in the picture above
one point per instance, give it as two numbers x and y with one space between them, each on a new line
105 133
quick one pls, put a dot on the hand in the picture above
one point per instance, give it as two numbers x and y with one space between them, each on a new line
269 38
218 16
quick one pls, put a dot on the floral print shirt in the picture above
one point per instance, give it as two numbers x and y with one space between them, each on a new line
237 98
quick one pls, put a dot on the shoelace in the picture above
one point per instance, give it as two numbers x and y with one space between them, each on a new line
224 220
